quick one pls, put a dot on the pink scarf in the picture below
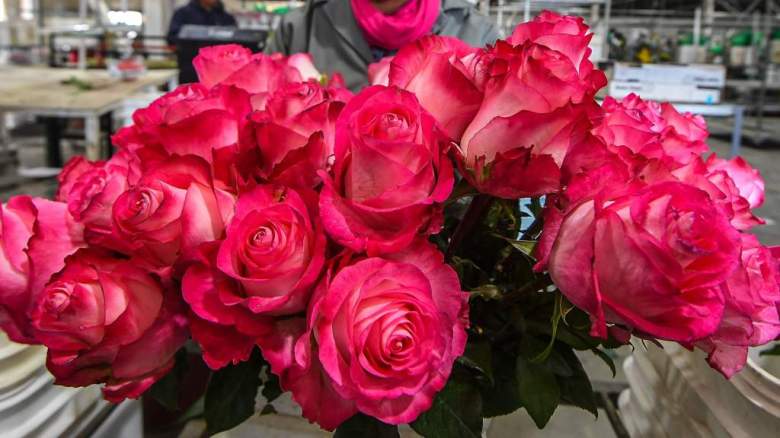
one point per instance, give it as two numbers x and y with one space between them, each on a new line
415 19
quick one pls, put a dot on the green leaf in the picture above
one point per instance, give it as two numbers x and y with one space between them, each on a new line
501 397
576 389
271 389
558 364
524 246
538 389
554 321
166 390
456 411
362 425
479 357
230 396
607 360
774 351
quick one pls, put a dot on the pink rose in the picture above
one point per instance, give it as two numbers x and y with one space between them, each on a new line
259 73
652 258
717 183
379 72
651 130
105 320
536 107
192 119
91 189
387 332
434 69
751 314
35 237
263 74
687 133
216 63
71 172
272 255
304 64
390 173
295 133
564 33
172 209
747 179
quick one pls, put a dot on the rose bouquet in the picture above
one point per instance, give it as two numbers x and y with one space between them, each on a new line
431 250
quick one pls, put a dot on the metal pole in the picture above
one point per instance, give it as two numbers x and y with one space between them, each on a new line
709 16
765 64
736 133
500 17
607 14
527 11
696 28
83 40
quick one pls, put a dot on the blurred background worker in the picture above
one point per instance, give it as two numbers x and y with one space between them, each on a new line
347 35
201 12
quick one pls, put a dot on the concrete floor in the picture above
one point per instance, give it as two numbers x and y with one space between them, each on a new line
567 421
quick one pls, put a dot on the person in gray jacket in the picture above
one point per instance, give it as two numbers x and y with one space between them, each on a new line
345 36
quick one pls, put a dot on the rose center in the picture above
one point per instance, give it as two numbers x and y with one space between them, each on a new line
263 237
392 121
399 344
142 202
690 237
57 301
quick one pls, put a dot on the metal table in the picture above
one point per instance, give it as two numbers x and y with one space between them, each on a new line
39 91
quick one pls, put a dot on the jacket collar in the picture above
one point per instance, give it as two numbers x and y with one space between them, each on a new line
340 14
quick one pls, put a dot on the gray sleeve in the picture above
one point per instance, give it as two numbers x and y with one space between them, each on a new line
491 34
290 37
486 28
477 29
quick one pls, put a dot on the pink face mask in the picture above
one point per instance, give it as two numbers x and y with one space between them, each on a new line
413 20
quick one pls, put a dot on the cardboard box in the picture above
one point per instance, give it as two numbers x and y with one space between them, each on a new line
692 83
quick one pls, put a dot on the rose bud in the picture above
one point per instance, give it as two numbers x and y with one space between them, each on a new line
389 176
106 320
35 237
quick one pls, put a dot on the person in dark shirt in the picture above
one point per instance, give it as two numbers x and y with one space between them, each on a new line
202 12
